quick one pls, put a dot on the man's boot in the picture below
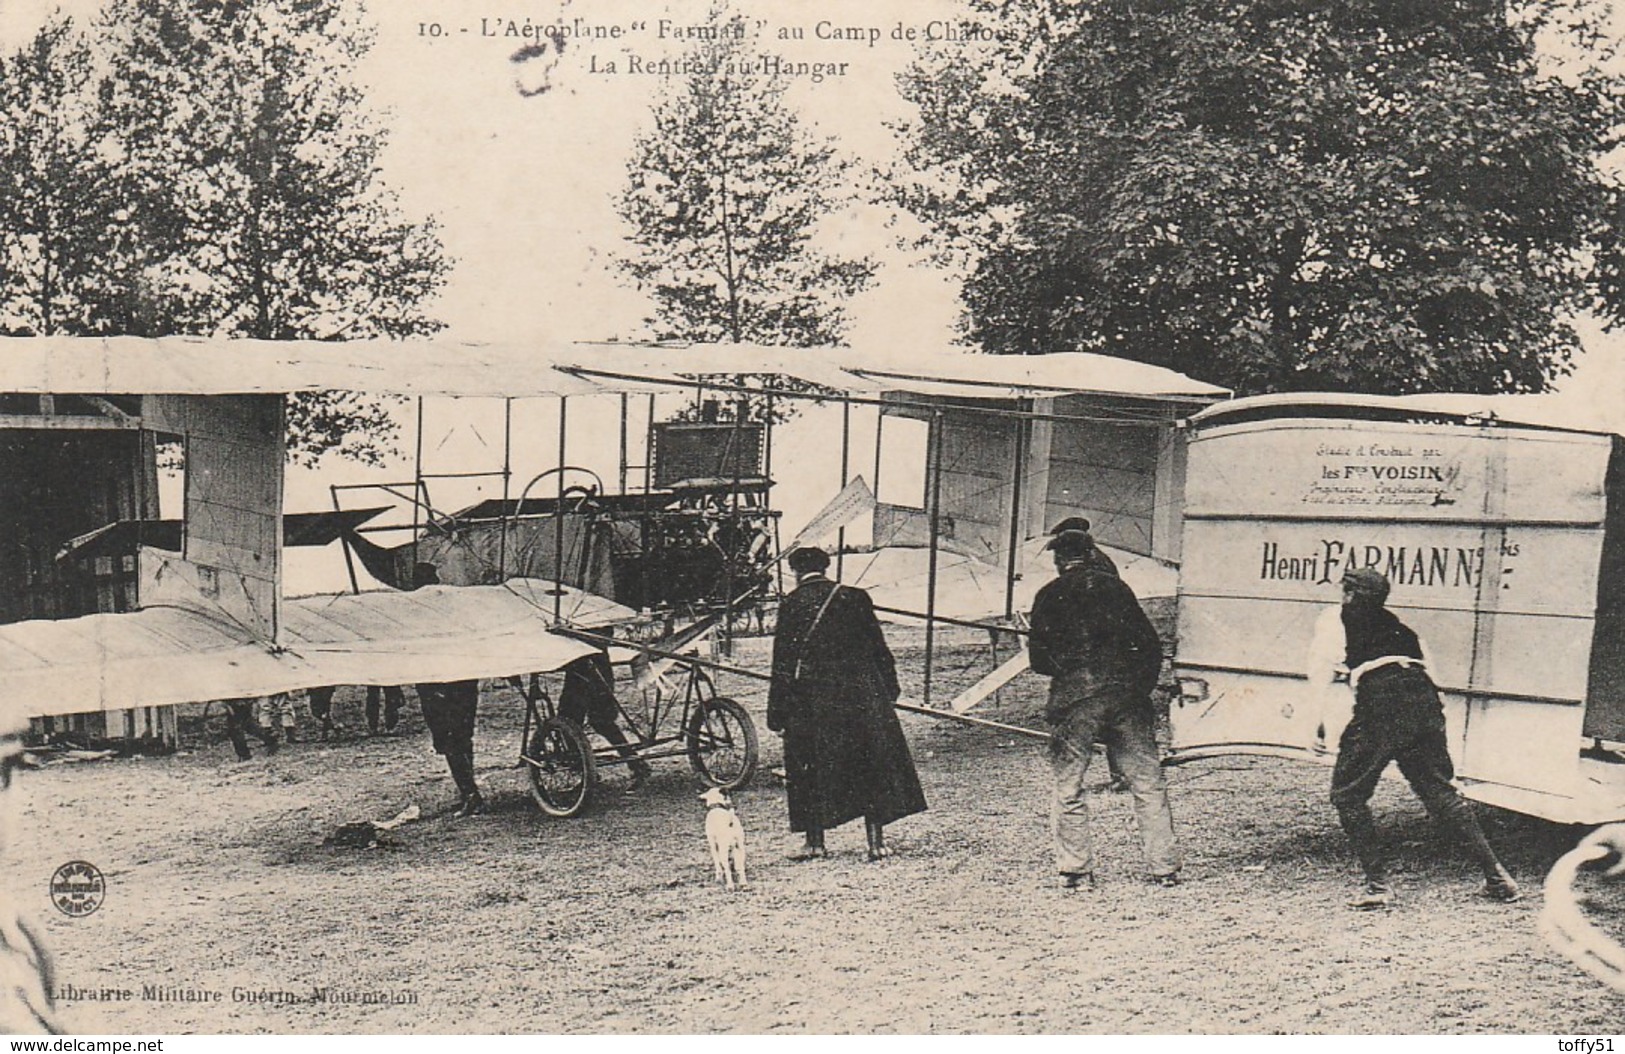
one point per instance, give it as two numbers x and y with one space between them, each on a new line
462 772
1376 893
1357 823
454 764
1499 884
813 849
394 701
877 840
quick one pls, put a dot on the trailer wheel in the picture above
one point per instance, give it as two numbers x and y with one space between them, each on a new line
722 743
561 768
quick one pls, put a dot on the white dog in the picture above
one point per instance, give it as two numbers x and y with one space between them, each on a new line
726 837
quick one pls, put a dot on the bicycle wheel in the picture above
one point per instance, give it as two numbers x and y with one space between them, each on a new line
561 768
722 743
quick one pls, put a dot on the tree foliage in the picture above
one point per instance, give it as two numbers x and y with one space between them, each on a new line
1380 195
222 166
58 200
723 199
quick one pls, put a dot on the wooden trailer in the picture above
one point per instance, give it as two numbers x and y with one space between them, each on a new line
1500 522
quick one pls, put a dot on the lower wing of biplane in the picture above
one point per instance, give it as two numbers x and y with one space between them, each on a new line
170 654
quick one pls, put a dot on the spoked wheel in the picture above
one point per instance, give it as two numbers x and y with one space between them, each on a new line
561 768
722 743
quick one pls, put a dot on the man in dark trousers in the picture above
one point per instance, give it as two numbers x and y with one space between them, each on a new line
834 682
1397 717
321 708
320 700
588 697
449 709
1102 655
394 700
241 723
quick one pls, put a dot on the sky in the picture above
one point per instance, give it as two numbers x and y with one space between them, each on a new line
523 183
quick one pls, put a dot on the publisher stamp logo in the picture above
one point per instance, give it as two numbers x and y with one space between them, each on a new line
77 889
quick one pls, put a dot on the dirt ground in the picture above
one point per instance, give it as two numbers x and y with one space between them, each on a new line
218 880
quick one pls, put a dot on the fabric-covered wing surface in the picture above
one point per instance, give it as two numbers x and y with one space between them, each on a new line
168 655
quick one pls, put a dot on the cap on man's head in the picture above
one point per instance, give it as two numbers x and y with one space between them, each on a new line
1367 582
1068 544
806 559
1071 523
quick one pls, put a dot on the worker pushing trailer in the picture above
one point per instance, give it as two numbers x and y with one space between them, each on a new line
1501 526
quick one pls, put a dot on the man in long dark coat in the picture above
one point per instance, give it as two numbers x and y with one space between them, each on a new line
834 682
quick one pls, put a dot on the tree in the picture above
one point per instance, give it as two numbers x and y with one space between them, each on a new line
241 127
1382 195
724 195
58 197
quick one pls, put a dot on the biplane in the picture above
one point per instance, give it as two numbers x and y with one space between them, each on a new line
562 565
193 609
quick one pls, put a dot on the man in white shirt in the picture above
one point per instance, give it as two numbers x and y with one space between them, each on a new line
1397 717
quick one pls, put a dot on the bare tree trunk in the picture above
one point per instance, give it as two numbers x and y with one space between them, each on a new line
730 276
260 166
47 272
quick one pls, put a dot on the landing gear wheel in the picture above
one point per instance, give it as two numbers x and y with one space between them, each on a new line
722 743
561 768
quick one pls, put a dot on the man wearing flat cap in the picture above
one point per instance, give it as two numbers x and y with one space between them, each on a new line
1097 560
834 683
1096 557
1102 655
1397 717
